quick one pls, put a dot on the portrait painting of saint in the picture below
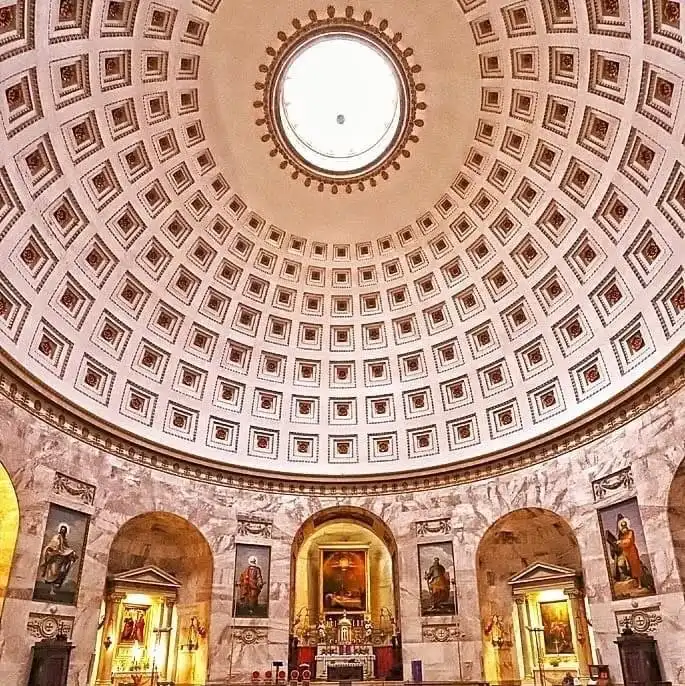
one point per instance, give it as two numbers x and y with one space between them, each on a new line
625 550
61 558
436 577
556 623
134 624
251 580
343 580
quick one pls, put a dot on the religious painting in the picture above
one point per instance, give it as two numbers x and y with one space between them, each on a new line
343 580
251 580
134 624
436 579
61 557
556 623
625 550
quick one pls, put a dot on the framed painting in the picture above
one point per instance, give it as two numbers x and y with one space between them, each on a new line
625 551
556 622
436 579
344 579
251 580
134 624
61 557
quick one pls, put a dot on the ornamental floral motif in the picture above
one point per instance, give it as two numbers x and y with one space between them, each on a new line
432 527
254 527
80 490
606 485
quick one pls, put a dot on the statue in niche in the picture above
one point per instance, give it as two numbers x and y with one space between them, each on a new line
57 559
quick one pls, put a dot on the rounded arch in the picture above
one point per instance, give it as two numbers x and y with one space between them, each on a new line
153 538
352 514
676 520
181 559
345 528
510 545
9 531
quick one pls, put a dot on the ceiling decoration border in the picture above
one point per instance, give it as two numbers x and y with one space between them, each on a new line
391 160
37 399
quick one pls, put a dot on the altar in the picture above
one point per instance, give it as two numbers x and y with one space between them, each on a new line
345 604
336 663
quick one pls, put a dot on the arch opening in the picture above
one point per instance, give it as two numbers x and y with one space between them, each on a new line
9 531
676 520
533 610
157 603
344 601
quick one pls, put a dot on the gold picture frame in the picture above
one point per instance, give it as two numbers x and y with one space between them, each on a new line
135 624
344 579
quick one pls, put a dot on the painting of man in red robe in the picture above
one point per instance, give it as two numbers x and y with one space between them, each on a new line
252 581
626 551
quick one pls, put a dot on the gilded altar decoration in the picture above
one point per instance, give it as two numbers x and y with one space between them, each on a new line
251 581
138 642
625 551
550 626
64 542
344 580
436 576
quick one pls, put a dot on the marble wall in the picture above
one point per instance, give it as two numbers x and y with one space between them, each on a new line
113 490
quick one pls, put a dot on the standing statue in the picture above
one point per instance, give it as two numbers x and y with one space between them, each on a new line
321 630
368 629
57 559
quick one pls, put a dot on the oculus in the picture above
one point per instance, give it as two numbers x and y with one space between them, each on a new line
340 101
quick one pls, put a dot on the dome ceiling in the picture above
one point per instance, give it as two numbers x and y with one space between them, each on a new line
160 270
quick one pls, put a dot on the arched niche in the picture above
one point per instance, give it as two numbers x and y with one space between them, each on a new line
345 528
160 567
529 568
676 519
9 530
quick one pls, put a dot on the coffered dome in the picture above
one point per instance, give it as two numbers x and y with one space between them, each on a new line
507 260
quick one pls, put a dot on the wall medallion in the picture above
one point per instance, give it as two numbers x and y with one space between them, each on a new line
49 625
